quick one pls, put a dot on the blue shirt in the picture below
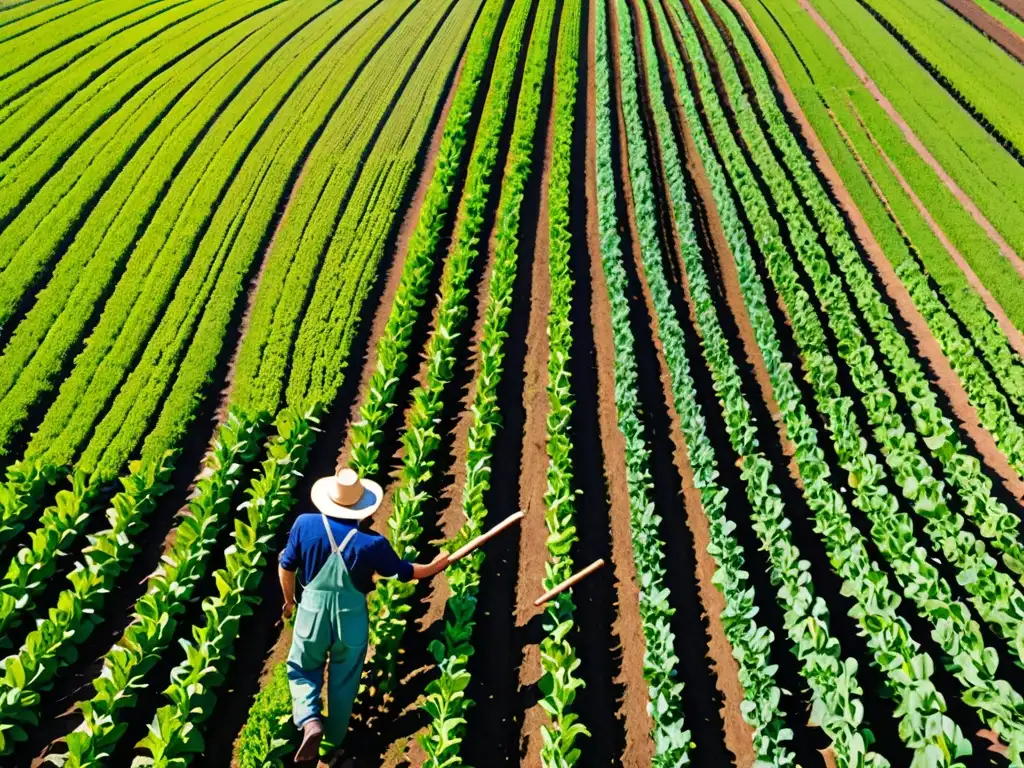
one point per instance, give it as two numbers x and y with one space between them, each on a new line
368 553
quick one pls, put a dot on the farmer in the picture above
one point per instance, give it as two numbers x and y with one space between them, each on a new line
339 557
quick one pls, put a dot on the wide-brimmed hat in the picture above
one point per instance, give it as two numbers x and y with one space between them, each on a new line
346 496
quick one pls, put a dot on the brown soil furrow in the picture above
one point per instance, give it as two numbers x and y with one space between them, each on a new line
1012 334
913 140
989 26
628 628
927 346
533 552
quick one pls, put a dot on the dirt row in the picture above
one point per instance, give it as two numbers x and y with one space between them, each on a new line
989 26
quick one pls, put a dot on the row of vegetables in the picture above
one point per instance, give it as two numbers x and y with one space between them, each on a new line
672 743
560 683
959 637
750 641
446 701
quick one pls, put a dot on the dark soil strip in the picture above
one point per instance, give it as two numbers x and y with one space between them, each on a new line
827 583
594 637
624 664
990 26
962 7
701 699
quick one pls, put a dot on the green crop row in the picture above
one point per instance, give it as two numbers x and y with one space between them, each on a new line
996 592
970 65
40 132
215 294
168 591
329 323
389 602
78 609
842 130
314 251
393 346
557 656
751 642
982 168
923 728
20 495
446 702
175 734
60 527
237 149
998 12
671 739
174 117
954 630
933 736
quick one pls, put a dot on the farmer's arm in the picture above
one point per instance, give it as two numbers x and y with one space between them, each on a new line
388 563
287 566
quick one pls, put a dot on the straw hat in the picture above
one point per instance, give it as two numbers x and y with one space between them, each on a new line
346 496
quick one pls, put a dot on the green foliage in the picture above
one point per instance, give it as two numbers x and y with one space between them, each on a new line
175 735
264 740
671 740
168 592
60 527
389 601
20 495
446 702
52 644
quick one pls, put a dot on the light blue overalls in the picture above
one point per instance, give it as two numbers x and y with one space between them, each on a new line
331 620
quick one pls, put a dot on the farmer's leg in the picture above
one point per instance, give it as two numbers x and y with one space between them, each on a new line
306 677
342 686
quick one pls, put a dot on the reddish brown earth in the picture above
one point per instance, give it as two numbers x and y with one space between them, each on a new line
989 26
533 553
628 629
1012 334
914 141
926 344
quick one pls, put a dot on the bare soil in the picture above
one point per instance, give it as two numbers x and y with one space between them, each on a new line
926 344
1016 7
914 141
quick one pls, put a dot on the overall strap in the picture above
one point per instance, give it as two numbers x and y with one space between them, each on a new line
327 525
348 538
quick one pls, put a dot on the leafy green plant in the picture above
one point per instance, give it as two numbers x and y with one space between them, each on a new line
20 495
175 734
52 644
168 591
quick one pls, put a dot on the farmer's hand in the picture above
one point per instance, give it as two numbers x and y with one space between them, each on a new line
289 610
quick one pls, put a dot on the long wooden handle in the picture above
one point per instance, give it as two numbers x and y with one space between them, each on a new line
572 580
483 538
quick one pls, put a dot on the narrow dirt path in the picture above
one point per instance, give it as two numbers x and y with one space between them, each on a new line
533 552
627 628
1013 335
914 141
925 342
989 26
1016 7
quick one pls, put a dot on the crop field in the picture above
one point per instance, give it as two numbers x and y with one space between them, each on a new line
727 293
